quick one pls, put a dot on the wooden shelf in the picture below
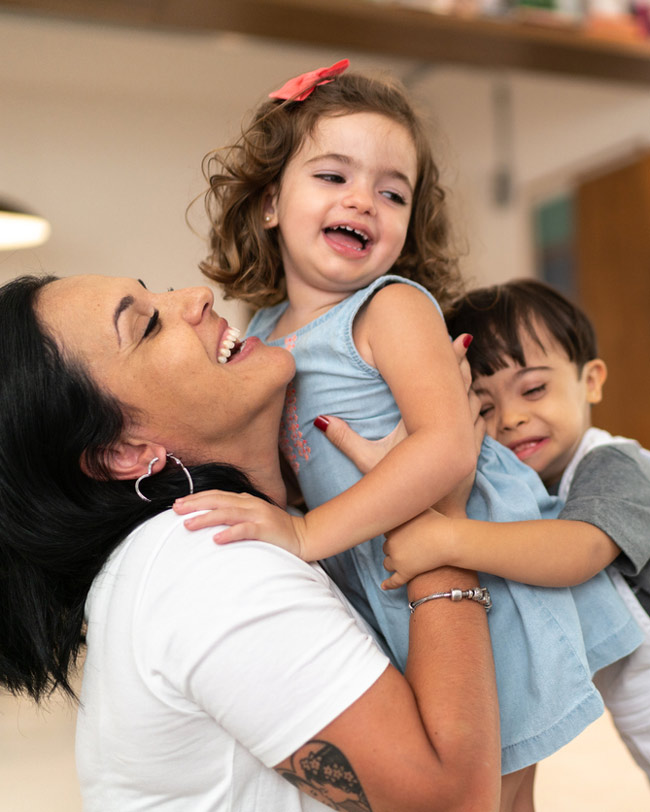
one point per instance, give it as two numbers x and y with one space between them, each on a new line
376 27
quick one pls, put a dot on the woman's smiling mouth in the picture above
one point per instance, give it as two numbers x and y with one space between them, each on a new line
229 345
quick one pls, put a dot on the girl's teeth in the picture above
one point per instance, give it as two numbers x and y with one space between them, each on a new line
227 344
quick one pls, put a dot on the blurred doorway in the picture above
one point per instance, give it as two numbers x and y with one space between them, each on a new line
612 268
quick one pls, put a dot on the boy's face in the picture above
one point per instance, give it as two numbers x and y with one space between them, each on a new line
540 411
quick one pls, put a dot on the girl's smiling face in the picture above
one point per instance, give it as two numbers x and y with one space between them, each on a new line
541 411
343 204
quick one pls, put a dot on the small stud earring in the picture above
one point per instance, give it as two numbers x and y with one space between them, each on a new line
267 218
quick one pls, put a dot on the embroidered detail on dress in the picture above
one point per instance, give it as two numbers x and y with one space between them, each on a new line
290 342
292 443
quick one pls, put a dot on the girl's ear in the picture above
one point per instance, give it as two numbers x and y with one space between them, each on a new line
269 208
130 458
594 374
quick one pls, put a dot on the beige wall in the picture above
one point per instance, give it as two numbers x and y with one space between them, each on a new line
103 129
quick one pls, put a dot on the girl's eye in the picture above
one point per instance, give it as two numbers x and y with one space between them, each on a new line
396 197
151 324
330 177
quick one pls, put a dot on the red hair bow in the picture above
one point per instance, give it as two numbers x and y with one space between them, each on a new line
300 87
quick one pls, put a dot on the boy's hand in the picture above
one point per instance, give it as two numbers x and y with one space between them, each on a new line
416 547
248 516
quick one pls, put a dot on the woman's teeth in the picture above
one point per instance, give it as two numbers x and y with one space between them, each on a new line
228 343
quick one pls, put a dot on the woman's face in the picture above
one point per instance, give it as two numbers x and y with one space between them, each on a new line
158 352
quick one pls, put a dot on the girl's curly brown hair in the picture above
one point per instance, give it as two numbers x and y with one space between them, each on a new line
245 257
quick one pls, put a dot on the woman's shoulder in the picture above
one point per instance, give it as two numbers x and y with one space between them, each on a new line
162 557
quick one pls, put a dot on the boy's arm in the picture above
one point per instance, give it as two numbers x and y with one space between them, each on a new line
611 489
605 519
542 552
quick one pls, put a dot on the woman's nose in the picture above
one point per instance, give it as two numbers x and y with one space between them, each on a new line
194 303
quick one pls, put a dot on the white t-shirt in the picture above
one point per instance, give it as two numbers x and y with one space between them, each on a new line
206 666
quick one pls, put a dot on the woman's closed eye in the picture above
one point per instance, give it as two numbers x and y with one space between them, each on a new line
153 322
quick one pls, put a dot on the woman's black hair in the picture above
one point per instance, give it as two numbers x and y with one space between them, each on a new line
58 525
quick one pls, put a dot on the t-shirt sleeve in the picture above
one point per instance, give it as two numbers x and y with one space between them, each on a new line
611 490
257 639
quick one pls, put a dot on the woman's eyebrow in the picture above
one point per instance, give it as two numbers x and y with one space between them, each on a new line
125 303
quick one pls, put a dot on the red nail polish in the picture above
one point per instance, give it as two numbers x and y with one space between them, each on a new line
321 423
467 340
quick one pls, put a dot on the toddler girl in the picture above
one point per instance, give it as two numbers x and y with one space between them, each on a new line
331 187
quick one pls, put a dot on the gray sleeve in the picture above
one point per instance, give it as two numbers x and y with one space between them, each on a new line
611 490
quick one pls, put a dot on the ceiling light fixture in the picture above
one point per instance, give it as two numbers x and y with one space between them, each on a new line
20 228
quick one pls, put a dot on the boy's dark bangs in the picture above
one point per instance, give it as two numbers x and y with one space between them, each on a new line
497 322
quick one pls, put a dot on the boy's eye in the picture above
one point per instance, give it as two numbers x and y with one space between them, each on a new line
485 410
535 391
396 197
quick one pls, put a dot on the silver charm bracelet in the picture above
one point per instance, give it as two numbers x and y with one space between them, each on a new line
479 595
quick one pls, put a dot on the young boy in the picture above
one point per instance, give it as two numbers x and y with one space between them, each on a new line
536 372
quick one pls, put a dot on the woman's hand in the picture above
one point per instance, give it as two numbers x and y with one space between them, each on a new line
418 546
248 516
365 454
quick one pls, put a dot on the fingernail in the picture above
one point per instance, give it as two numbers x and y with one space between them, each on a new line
321 423
467 340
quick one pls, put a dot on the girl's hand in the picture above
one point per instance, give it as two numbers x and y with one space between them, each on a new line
248 516
416 547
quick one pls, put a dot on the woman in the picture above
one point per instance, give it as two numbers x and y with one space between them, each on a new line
206 666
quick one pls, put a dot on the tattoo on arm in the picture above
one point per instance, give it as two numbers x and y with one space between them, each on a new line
322 771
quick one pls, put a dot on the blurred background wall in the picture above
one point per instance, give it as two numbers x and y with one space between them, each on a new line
102 130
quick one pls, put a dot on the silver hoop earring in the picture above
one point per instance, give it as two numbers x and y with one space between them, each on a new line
143 477
188 476
149 472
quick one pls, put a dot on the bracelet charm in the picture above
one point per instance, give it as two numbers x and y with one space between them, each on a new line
480 595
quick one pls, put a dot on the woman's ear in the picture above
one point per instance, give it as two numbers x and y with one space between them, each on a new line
130 458
594 374
269 207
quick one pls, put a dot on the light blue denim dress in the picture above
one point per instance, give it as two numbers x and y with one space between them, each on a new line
547 642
